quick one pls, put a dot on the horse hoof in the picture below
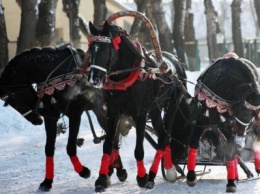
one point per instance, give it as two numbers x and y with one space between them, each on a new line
121 174
191 178
171 175
102 183
46 185
231 187
142 181
149 185
85 173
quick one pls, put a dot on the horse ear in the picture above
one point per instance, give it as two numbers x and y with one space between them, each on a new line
94 31
106 25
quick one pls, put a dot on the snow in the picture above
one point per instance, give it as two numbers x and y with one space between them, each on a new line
22 162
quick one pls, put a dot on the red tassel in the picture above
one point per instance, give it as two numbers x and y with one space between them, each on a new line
76 164
90 41
167 157
116 41
104 164
192 158
140 168
231 169
257 159
156 161
49 168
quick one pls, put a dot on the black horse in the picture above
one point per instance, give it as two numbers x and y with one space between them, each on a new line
62 89
227 96
125 70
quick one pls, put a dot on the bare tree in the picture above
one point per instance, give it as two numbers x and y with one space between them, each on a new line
100 11
257 10
165 36
236 27
189 32
141 7
211 19
71 8
3 39
178 28
45 28
29 17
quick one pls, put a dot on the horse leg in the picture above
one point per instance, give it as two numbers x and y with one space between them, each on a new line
74 123
256 151
51 130
192 153
103 180
116 162
163 149
142 177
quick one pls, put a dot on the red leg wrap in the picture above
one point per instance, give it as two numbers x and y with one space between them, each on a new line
49 168
140 168
156 161
236 170
114 156
231 169
257 159
167 157
192 158
76 164
104 164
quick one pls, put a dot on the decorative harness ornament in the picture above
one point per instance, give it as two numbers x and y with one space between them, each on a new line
56 83
212 100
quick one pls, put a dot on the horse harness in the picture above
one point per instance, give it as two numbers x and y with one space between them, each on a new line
137 72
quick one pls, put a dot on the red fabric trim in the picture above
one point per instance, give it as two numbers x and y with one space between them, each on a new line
236 170
104 164
140 168
231 169
156 161
167 157
49 168
76 164
192 158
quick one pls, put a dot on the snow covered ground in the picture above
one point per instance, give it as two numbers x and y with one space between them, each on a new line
22 162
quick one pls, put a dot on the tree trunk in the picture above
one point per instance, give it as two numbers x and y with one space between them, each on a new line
72 10
257 10
162 26
100 12
211 30
236 28
178 29
143 37
29 17
3 40
141 7
189 32
83 26
45 28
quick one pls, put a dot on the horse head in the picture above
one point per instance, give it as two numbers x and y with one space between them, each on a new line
111 51
17 93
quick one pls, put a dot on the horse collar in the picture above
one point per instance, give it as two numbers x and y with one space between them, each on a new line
131 79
